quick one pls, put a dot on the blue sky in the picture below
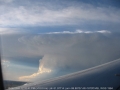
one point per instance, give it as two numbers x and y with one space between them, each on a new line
49 38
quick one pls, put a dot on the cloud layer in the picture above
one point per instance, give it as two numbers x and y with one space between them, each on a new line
45 14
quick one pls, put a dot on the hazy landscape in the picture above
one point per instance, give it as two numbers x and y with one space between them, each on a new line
10 84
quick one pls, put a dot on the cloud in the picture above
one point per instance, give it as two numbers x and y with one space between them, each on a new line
50 15
72 52
80 31
41 70
5 63
6 1
11 31
103 31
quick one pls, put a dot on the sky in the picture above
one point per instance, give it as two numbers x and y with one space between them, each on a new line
43 39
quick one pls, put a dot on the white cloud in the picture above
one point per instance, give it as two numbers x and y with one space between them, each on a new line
44 16
103 31
41 71
5 63
80 31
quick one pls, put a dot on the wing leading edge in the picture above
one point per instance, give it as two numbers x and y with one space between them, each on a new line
101 77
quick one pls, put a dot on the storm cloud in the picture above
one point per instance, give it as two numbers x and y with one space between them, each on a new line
73 52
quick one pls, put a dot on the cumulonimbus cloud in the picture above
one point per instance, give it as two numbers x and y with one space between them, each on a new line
72 52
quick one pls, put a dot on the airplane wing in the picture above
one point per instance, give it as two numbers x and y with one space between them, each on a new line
102 77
